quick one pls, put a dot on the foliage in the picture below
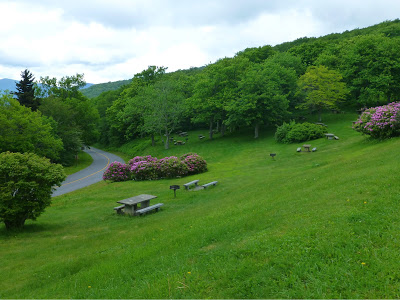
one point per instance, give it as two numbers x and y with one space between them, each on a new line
26 185
380 122
22 130
117 171
370 66
299 132
26 91
150 168
96 90
194 162
66 87
264 92
75 115
322 88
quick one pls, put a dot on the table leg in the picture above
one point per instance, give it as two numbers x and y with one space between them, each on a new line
145 204
130 209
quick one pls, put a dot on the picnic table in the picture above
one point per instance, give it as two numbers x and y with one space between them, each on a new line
131 204
307 147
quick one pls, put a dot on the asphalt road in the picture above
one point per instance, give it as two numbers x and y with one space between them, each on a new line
90 175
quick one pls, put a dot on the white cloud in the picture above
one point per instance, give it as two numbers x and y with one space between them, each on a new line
113 40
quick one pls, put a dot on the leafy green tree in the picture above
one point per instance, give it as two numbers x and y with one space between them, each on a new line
66 128
66 87
216 87
264 92
26 90
322 88
163 108
257 55
370 66
79 113
22 130
26 184
124 116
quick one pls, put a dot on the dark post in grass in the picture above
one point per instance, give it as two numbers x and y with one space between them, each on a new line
174 187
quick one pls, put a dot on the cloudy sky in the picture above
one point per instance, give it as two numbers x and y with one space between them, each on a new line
111 40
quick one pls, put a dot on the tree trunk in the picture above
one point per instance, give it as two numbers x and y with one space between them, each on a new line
14 224
223 128
166 139
319 116
217 129
256 128
153 142
211 128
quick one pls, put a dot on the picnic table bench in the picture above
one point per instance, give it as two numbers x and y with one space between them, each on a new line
329 136
142 211
130 205
189 184
119 209
209 184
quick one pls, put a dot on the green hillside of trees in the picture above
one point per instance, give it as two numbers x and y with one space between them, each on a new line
261 86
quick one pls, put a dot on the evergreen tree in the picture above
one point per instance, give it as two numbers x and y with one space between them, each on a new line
26 91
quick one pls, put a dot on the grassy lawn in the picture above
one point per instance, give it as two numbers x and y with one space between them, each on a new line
306 225
84 160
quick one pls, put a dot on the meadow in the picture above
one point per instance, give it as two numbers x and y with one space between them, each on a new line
321 224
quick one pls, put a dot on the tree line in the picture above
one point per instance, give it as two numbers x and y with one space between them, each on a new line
258 87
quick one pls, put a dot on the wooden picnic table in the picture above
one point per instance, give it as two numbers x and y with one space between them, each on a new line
307 147
131 204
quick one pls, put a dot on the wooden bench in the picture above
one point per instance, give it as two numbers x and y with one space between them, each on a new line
187 185
336 137
149 208
314 149
298 149
119 209
209 184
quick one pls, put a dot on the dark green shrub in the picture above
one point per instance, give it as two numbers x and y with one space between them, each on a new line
26 184
299 132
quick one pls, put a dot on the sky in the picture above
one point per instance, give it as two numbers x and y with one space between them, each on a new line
110 40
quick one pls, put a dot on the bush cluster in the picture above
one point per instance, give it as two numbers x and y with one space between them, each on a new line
299 132
152 168
380 122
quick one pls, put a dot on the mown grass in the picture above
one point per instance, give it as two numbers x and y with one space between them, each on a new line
305 225
84 160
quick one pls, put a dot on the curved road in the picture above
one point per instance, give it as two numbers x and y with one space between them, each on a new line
90 175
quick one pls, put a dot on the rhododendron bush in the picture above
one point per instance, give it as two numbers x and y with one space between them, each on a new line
380 122
152 168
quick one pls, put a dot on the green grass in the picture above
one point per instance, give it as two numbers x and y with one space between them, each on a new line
84 161
307 225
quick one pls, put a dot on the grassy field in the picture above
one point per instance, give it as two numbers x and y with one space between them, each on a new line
306 225
84 160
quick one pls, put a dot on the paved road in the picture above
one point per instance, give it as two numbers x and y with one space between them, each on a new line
91 174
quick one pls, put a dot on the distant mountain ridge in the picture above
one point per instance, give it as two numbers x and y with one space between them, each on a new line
9 84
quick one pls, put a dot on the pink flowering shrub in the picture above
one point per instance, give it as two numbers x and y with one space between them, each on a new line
144 170
117 171
380 122
194 162
151 168
171 167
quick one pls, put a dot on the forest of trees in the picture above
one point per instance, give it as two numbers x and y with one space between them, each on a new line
258 87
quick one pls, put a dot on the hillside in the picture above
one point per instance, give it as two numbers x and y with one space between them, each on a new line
96 89
9 84
306 225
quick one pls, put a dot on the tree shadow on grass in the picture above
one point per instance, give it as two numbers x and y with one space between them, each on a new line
29 228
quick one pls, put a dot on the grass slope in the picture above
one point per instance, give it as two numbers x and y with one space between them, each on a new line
307 225
84 160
